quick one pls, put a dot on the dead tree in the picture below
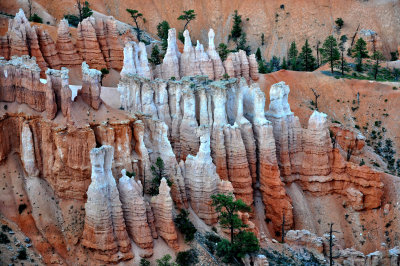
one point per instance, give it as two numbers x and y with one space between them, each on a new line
30 8
350 150
354 36
79 5
316 98
331 243
283 228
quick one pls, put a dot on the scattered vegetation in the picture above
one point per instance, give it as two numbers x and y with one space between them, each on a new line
237 35
22 255
155 56
185 225
4 238
84 11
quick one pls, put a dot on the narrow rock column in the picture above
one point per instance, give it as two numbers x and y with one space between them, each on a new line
135 213
104 231
162 207
170 65
91 88
65 47
219 70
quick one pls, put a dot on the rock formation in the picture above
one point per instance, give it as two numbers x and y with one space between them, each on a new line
219 70
91 87
20 81
23 39
202 181
88 45
48 48
170 65
162 206
105 230
135 212
66 49
135 60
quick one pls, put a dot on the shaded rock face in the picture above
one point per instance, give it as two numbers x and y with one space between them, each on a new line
162 206
105 231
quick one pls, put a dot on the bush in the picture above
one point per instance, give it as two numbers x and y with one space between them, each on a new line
35 18
72 20
339 22
144 262
22 253
185 225
362 162
4 238
187 258
164 261
245 243
223 51
5 228
211 242
21 208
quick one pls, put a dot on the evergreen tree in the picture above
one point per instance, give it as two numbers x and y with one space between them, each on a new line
243 242
188 15
359 52
258 54
242 44
292 56
330 51
343 64
158 173
83 9
339 22
306 59
236 31
284 64
155 55
223 51
275 64
377 57
162 33
136 16
262 69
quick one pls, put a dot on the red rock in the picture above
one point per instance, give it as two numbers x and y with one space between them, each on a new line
91 88
48 49
66 49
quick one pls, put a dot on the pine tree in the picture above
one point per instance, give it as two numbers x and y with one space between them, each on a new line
330 51
236 31
359 52
284 64
343 65
306 59
188 15
242 44
223 51
162 33
292 56
258 54
155 55
377 57
136 15
262 69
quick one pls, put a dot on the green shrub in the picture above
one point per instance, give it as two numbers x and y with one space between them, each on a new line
362 162
144 262
185 225
22 253
4 238
165 261
5 228
35 18
187 258
72 20
211 242
158 173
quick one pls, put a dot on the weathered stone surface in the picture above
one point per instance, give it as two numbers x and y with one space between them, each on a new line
88 44
170 65
188 63
348 139
219 70
162 206
91 87
105 231
66 49
48 48
135 213
304 239
20 81
202 181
